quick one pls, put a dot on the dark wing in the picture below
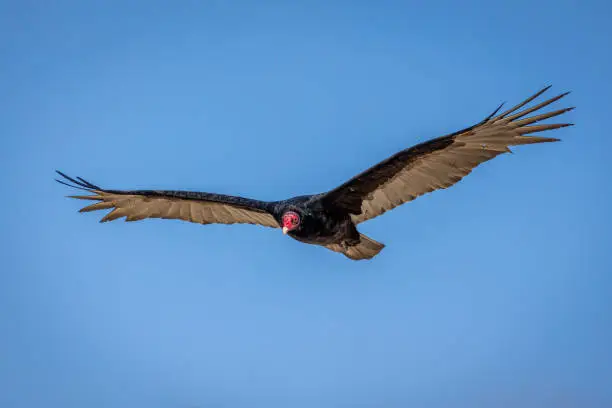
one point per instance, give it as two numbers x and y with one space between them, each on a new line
202 208
439 163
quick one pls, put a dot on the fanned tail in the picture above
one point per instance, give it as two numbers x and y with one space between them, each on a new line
367 248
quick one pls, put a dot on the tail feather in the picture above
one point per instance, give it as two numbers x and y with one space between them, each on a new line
367 248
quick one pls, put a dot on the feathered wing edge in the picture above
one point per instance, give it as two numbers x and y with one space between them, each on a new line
441 162
202 208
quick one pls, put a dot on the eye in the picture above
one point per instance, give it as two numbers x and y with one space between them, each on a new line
294 221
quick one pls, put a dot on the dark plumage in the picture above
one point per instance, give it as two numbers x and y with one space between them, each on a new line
330 219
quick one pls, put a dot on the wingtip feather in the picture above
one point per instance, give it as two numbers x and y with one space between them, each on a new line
89 197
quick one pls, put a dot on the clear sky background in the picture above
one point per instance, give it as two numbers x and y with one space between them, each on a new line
496 292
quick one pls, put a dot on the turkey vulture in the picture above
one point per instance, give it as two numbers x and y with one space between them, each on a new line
330 219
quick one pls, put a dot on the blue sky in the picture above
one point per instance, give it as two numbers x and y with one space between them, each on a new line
495 292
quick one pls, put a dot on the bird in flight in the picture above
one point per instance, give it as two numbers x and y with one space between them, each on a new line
330 219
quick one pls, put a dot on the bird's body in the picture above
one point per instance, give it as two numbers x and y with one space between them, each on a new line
330 219
320 225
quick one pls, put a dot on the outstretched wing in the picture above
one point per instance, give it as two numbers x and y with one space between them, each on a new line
440 163
202 208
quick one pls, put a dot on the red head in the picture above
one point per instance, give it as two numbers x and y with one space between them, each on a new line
291 220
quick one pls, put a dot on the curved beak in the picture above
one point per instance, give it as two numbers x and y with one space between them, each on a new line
285 230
